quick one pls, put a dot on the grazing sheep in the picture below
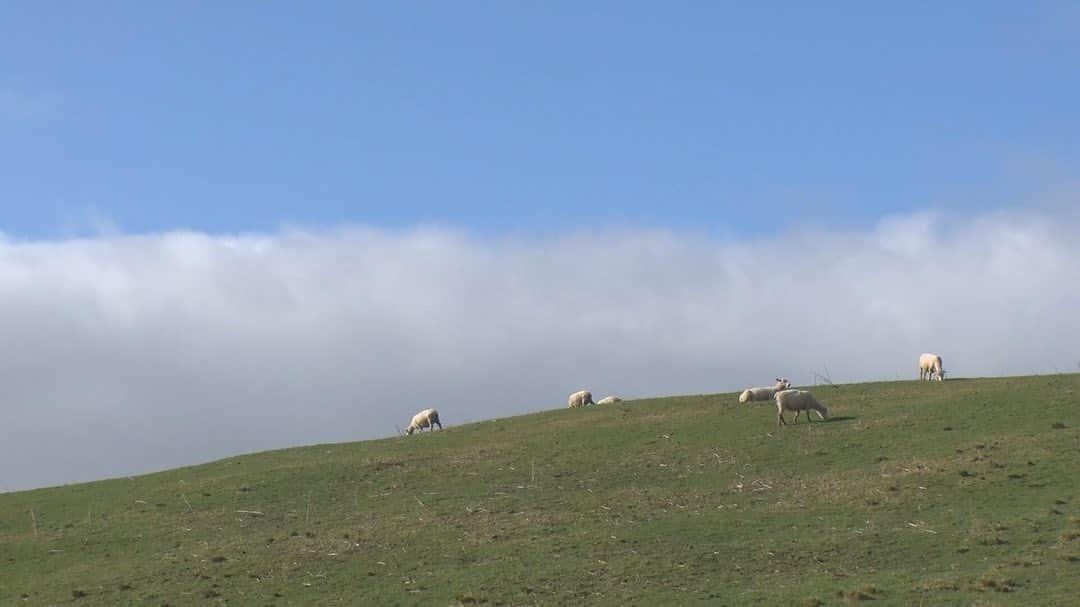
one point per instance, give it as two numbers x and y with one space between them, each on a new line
798 401
609 400
751 394
428 418
929 365
580 399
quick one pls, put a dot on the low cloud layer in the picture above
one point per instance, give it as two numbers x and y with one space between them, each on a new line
127 354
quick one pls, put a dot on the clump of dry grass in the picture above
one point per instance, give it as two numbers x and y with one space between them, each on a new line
988 533
939 585
866 593
989 583
1069 536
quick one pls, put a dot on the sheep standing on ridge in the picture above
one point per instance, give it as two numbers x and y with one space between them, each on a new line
580 399
929 365
798 401
751 394
609 400
428 418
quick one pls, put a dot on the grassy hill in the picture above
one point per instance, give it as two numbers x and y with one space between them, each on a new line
956 493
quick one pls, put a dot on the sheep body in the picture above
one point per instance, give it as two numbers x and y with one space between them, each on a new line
428 418
752 394
798 401
580 399
929 365
609 400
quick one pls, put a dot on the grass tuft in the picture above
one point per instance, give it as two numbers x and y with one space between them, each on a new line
866 593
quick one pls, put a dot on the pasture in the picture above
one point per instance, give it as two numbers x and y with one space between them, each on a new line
963 492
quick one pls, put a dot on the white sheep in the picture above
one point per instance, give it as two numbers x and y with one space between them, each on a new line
580 399
798 401
751 394
428 418
929 365
609 400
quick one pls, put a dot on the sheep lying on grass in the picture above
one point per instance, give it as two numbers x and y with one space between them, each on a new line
752 394
580 399
929 365
798 401
428 418
609 400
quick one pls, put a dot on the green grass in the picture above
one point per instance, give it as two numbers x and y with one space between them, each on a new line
964 492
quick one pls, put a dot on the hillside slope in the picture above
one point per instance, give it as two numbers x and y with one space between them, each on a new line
948 493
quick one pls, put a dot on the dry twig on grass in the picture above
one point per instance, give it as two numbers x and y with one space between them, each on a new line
825 379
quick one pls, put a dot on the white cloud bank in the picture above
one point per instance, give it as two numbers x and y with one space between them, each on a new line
126 354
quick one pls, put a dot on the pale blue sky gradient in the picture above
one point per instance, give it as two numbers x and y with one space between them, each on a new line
723 117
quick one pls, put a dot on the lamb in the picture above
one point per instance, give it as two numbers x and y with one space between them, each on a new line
752 394
929 365
428 418
798 401
609 400
580 399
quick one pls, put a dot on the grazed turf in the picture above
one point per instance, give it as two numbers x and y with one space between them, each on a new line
956 493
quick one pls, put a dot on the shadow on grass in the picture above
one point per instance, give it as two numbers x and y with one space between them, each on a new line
840 418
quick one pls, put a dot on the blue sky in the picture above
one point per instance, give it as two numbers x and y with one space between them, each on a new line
728 118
